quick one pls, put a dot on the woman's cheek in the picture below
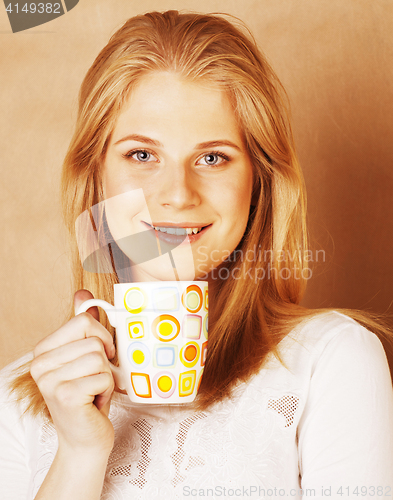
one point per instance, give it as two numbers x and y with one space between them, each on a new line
125 213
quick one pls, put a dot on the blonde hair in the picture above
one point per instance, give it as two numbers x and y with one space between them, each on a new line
246 322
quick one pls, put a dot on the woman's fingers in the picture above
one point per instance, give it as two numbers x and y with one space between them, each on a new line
64 354
77 383
78 328
80 297
71 401
83 365
82 391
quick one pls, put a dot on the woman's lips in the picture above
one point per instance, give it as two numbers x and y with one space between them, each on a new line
175 239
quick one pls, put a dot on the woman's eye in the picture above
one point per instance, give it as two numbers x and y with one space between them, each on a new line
213 159
140 155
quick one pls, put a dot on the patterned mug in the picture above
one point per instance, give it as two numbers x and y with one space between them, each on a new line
161 333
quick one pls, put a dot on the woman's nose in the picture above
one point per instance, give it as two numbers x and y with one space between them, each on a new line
178 188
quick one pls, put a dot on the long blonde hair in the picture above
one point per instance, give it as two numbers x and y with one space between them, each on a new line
248 316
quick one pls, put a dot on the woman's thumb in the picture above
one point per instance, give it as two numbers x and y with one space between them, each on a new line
80 297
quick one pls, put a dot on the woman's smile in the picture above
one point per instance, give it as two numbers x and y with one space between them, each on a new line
180 141
176 233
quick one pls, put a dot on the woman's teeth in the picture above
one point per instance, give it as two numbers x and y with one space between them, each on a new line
181 231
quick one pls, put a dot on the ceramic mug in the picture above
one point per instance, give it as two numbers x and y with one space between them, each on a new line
161 336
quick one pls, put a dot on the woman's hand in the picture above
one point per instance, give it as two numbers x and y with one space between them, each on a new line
71 369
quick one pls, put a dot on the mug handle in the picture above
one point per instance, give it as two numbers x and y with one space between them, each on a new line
111 313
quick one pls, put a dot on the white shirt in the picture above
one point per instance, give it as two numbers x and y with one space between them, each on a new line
322 427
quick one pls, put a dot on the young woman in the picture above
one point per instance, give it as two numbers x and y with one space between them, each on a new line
293 402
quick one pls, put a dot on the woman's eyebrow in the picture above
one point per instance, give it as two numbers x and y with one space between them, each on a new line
215 144
140 138
202 145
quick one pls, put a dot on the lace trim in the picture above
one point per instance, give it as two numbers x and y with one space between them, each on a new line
178 456
125 448
286 405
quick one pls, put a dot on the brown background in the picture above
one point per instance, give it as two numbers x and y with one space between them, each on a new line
335 59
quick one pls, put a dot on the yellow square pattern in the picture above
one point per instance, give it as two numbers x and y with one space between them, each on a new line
187 383
136 329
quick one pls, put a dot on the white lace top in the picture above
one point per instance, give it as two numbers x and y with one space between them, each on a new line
323 424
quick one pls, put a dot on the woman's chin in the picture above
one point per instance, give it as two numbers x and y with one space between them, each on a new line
165 272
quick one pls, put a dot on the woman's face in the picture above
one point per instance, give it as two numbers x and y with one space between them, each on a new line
179 143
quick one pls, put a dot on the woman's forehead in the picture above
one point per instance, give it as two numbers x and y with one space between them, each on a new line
165 102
